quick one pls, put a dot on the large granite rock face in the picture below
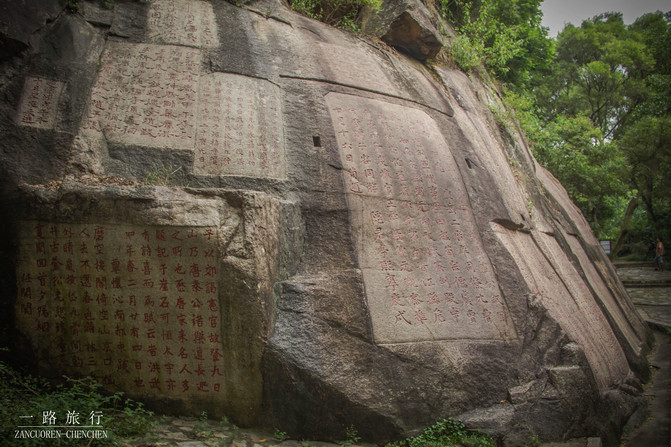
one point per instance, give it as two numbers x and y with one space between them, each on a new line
354 239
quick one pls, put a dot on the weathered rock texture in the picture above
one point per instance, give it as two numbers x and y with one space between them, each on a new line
355 241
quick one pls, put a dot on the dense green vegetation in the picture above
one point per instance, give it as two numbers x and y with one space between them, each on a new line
595 105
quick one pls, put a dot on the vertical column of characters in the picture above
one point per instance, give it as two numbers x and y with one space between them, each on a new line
207 340
208 27
163 20
248 110
183 82
101 92
350 167
77 276
207 131
237 125
100 290
33 306
269 131
132 334
191 24
47 103
31 101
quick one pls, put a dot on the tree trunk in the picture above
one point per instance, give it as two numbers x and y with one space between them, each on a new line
624 228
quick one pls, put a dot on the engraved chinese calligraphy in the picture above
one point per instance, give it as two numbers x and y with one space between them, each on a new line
136 307
426 274
183 22
155 96
146 95
39 103
240 127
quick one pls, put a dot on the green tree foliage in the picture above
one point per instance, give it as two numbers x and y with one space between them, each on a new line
339 13
647 145
504 35
599 72
600 118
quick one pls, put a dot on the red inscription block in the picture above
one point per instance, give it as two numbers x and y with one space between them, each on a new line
129 299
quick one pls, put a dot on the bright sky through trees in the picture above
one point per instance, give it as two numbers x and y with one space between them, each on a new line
557 13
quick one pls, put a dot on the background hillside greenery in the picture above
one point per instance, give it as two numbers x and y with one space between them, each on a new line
594 103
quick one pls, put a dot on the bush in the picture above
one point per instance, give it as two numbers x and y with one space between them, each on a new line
465 54
340 13
447 432
74 404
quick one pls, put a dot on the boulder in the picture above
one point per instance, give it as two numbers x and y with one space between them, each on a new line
408 25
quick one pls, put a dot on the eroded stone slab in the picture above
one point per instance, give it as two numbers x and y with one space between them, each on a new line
625 316
557 191
134 306
426 274
146 95
39 103
574 308
355 68
182 22
240 127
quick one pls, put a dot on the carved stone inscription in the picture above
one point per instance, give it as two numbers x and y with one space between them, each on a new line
426 274
146 95
183 22
573 307
240 127
136 307
39 103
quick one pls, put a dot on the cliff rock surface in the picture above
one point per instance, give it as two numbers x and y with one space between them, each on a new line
240 210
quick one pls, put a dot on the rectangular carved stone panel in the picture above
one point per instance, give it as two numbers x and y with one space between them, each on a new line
155 96
136 307
183 22
39 103
146 95
570 304
240 127
426 274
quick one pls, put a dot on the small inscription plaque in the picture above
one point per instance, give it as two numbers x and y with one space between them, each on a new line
146 95
136 307
39 103
426 274
240 127
183 22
